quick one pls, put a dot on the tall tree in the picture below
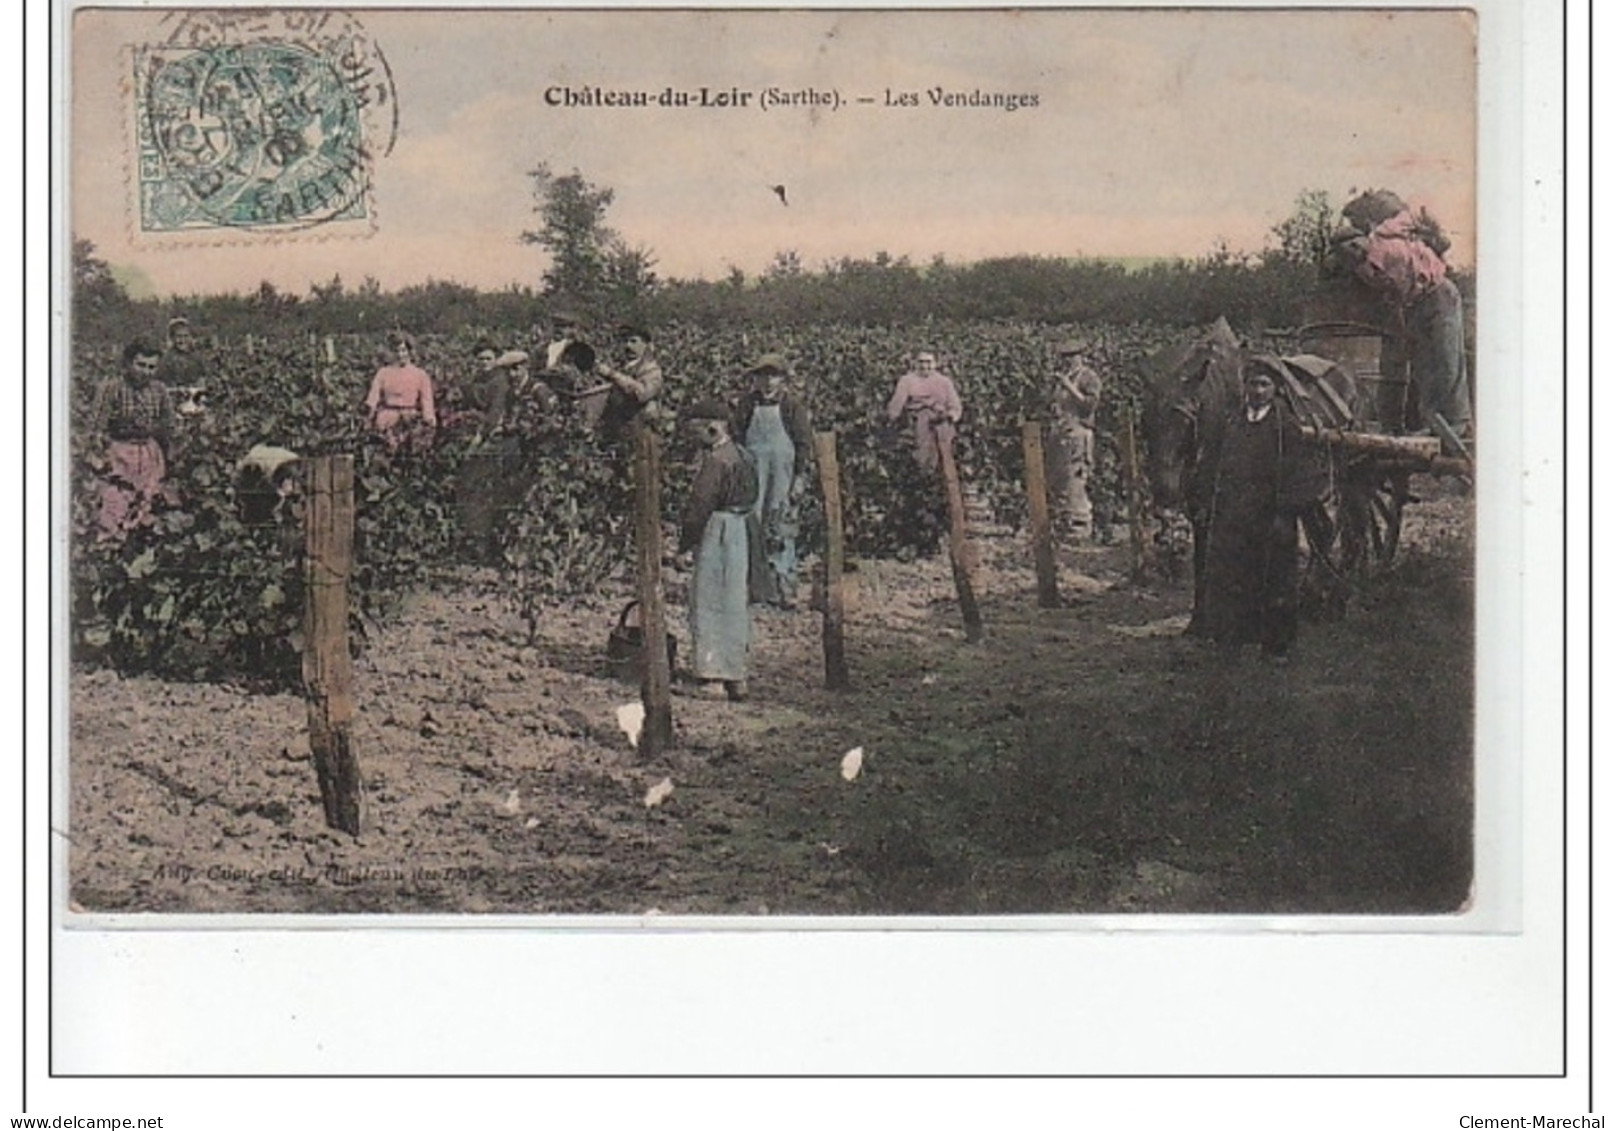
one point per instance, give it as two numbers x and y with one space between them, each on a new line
1303 235
589 262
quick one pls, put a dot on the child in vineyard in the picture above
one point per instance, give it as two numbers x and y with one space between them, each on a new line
134 414
775 426
401 403
719 530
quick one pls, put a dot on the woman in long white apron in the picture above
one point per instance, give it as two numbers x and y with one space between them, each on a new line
718 528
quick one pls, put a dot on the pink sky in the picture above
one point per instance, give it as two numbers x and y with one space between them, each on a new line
1156 133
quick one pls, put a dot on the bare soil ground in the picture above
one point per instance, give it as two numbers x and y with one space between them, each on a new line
1082 759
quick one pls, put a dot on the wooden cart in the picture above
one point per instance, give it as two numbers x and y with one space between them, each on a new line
1377 456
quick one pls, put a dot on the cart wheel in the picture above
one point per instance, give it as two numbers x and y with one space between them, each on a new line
1385 517
1371 520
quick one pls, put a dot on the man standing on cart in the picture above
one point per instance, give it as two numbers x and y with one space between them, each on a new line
1398 255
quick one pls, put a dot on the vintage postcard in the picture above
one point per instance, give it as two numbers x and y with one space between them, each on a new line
1044 440
642 485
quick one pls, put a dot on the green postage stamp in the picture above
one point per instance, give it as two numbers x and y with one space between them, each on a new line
260 121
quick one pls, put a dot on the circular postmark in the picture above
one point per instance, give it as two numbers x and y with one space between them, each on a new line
255 120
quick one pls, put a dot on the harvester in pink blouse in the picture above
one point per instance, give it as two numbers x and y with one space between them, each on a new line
401 404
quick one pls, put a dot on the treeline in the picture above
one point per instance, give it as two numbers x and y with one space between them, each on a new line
882 291
896 292
591 269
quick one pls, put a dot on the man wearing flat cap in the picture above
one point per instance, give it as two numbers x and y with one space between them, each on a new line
1073 411
628 389
718 528
775 427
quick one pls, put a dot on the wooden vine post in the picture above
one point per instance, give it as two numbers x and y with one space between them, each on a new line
1037 509
327 663
959 548
1135 498
836 676
656 680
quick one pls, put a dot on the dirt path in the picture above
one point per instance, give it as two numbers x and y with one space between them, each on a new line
1081 759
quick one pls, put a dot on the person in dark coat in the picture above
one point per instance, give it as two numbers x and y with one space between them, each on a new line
490 481
1263 476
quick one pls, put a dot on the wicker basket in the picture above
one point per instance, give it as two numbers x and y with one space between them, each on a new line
625 647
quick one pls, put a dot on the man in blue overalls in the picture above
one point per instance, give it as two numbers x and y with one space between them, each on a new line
774 425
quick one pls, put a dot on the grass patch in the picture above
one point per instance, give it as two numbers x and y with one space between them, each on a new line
1049 767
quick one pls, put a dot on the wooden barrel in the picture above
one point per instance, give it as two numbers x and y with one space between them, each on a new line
1374 363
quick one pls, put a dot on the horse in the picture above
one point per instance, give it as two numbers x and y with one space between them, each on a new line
1194 387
